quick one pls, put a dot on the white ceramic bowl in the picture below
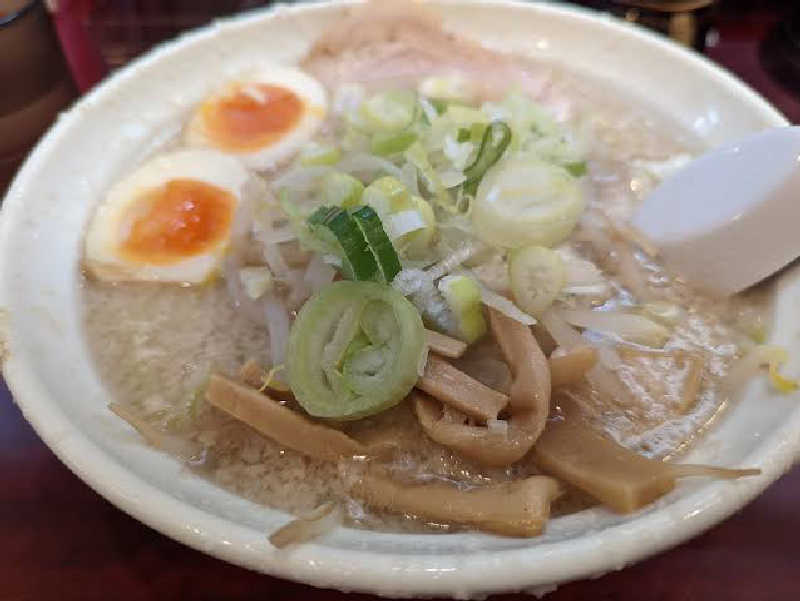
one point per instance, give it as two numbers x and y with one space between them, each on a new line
49 371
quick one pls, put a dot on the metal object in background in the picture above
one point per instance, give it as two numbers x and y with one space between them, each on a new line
36 83
686 21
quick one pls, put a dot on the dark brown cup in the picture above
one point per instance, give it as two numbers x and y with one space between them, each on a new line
35 83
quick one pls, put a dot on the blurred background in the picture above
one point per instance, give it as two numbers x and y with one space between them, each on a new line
51 51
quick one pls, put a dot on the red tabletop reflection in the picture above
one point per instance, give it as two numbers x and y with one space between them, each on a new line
62 541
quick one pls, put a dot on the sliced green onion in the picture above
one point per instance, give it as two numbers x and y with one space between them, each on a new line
415 243
354 139
440 104
403 223
387 194
379 243
354 350
494 142
418 156
367 252
529 120
447 88
526 202
463 296
341 189
576 169
389 143
465 115
359 262
315 154
477 131
473 133
321 241
392 110
408 220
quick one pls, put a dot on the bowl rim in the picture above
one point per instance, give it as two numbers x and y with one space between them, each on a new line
456 574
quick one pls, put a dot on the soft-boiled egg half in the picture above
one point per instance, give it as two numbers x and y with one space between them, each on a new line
169 221
263 117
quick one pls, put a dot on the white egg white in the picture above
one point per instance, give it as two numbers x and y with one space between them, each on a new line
110 224
308 89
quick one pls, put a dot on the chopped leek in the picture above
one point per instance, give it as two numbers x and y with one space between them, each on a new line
389 143
476 132
537 276
379 243
309 240
403 222
459 154
576 169
440 104
447 87
473 133
340 189
526 202
354 350
463 296
418 156
388 111
387 194
359 263
354 140
493 144
367 252
315 154
416 243
408 220
466 116
528 120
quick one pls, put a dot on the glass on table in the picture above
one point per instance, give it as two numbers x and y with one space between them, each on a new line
36 83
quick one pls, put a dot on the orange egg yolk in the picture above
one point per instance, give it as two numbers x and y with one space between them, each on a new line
253 116
178 220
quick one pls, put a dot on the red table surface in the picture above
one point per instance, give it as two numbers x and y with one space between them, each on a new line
60 540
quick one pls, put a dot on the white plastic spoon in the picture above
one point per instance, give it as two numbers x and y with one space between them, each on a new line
731 217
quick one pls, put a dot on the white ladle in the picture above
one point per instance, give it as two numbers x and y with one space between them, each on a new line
732 216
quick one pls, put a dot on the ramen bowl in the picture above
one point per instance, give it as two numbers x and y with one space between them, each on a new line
48 367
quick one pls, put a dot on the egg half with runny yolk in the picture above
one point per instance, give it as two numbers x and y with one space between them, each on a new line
263 117
169 221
